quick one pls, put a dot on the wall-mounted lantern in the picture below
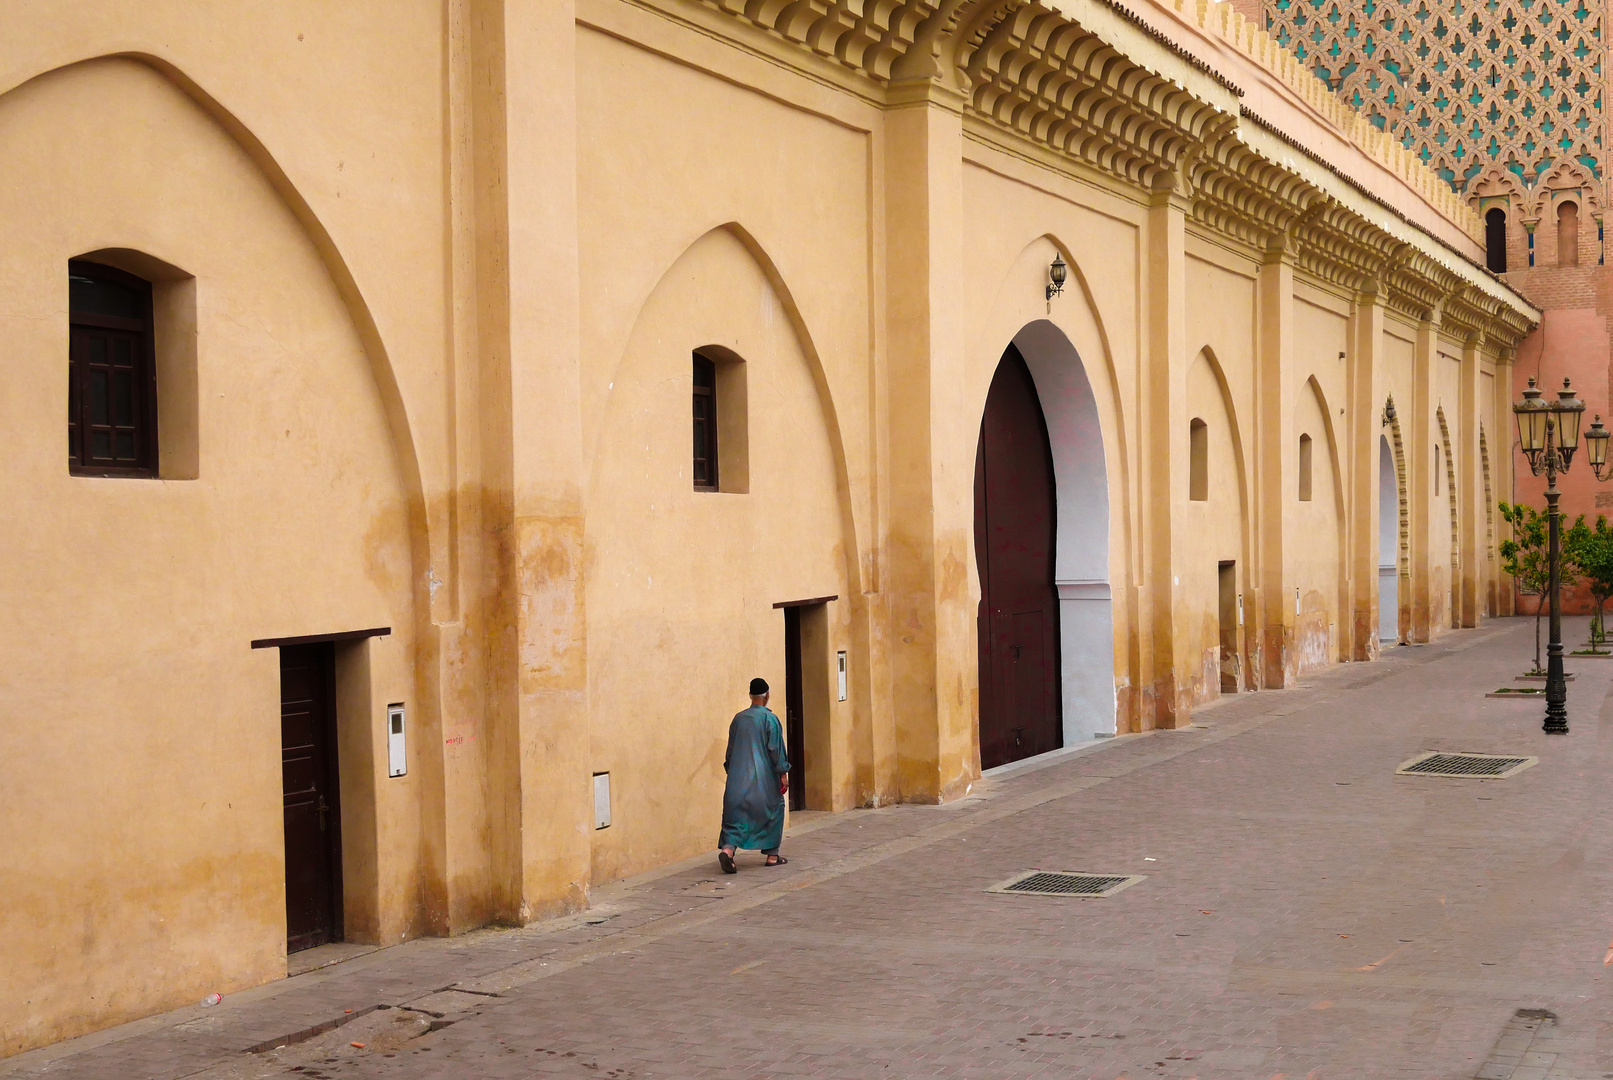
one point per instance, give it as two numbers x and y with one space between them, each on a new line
1596 447
1388 413
1057 274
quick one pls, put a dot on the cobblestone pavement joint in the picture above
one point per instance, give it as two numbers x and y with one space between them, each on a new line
1306 913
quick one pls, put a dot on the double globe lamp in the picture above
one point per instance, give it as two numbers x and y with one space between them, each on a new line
1548 433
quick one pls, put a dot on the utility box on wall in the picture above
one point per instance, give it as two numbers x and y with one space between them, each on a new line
397 756
602 800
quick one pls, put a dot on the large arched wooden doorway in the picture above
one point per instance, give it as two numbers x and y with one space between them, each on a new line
1015 528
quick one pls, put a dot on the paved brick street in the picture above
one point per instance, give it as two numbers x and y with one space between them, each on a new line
1306 913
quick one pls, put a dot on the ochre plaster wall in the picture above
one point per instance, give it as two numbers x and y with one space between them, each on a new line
449 263
140 770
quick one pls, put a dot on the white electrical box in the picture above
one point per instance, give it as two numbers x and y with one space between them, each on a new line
602 800
1240 609
1296 601
397 755
840 666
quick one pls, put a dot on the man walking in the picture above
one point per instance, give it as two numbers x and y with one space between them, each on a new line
758 776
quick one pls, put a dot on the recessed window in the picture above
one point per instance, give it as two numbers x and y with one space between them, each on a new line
112 392
1495 239
1198 461
721 421
1568 234
705 424
1304 468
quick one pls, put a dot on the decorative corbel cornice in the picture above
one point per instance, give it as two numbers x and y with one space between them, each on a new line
1043 76
1095 82
869 36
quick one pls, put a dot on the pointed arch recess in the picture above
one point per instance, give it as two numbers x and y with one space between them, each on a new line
1338 485
352 297
820 381
1236 431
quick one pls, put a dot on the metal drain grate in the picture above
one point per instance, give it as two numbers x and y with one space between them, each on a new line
1066 883
1483 766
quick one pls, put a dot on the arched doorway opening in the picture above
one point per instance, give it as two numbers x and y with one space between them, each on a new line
1388 545
1016 527
1062 436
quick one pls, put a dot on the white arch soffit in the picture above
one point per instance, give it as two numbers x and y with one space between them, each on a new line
1388 543
1081 551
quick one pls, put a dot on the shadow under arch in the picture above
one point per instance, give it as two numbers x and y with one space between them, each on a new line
347 289
814 361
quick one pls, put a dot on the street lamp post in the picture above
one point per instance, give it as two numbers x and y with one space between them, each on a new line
1549 435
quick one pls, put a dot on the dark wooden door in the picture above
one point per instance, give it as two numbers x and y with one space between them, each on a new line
794 721
312 809
1015 525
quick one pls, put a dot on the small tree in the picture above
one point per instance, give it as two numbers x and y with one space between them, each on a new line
1592 552
1525 558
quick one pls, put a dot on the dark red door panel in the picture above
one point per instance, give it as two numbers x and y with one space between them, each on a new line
309 791
1016 521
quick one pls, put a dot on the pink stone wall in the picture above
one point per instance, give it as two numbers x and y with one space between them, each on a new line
1576 346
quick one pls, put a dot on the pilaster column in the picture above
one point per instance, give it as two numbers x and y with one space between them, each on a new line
1164 443
1418 426
932 631
1365 432
1501 430
1274 466
516 768
1468 589
549 470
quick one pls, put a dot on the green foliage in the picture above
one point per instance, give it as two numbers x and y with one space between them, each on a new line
1591 550
1524 556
